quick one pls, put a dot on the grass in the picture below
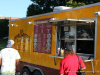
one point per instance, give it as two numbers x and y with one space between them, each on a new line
3 43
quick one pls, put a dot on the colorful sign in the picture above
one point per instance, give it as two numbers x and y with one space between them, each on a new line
42 36
22 41
85 34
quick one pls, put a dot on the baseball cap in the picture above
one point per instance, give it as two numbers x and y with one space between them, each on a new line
10 43
68 48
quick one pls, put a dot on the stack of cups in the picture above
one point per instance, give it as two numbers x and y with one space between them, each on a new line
58 51
62 52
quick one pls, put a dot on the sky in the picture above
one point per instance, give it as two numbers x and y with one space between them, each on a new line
14 8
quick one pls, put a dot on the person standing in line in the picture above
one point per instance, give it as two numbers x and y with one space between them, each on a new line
70 62
9 59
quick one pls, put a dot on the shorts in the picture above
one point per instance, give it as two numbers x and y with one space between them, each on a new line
7 74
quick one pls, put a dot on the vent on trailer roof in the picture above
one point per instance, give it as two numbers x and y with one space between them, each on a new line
60 8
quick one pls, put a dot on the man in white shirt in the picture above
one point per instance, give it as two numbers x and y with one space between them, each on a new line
9 59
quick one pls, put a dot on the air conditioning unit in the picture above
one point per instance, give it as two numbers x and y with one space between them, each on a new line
60 8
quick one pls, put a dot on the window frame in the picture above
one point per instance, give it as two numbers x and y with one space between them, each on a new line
95 35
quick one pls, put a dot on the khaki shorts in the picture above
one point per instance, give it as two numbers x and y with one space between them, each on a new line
7 74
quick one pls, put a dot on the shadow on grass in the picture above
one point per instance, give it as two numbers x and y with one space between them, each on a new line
3 43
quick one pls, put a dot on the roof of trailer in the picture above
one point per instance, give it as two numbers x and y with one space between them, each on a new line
86 6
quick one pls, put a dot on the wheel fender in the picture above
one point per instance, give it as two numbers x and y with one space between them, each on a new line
32 69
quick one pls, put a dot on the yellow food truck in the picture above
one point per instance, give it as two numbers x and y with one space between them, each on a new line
39 39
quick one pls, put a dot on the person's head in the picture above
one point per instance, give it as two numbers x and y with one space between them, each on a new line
10 44
68 50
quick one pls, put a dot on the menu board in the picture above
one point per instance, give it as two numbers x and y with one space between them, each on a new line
42 36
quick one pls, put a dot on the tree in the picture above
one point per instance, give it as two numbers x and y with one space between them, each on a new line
4 29
88 1
72 3
43 6
34 10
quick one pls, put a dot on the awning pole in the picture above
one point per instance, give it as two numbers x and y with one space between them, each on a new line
92 65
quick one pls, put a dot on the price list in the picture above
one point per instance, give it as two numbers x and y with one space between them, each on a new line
42 36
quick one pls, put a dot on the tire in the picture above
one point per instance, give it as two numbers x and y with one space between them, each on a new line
36 73
25 71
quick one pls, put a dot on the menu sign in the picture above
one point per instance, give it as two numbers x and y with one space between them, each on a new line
42 36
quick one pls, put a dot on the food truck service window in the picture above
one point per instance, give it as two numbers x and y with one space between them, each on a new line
80 34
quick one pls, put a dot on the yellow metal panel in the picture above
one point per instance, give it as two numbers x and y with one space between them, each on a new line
42 58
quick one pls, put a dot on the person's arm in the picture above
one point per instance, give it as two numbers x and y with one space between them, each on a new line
0 58
0 61
17 58
82 64
61 68
83 68
17 61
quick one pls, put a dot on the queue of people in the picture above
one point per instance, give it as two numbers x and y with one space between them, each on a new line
9 59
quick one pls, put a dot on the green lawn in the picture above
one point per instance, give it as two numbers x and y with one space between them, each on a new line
3 43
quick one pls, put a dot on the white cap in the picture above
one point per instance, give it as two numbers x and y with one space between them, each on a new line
10 43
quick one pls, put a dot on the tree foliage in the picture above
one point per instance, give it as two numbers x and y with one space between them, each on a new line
4 29
43 6
88 1
33 10
72 3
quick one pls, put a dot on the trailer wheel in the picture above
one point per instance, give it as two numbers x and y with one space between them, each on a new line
36 73
25 71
